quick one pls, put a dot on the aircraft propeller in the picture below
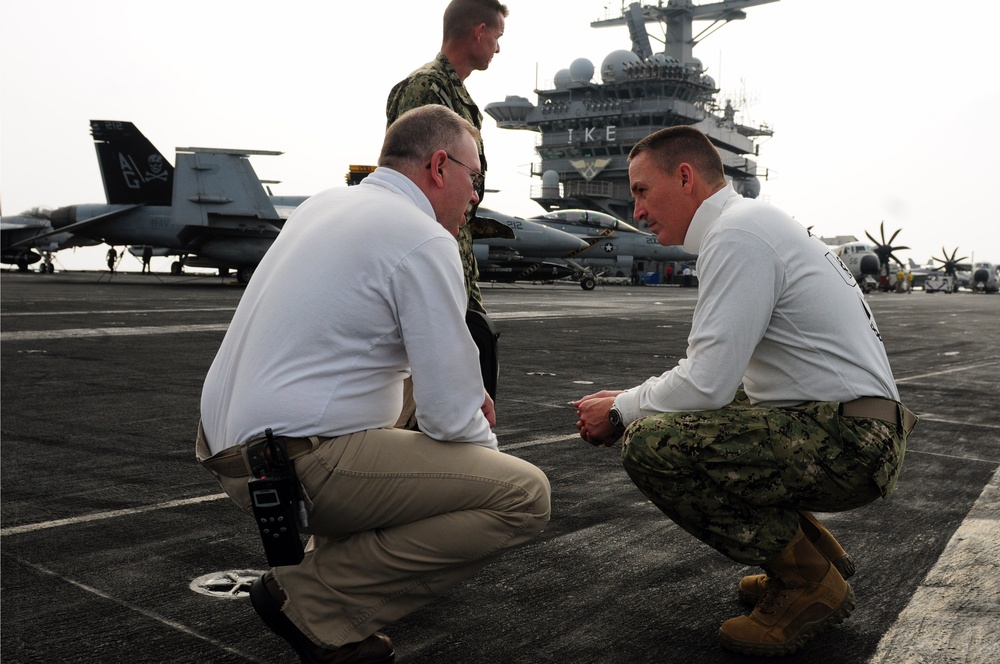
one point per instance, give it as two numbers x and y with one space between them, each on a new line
950 264
884 249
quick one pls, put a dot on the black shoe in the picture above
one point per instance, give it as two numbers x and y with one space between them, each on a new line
266 597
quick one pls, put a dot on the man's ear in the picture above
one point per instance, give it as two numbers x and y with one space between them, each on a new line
477 32
687 176
436 167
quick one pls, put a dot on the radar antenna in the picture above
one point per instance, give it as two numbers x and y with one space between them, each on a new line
677 18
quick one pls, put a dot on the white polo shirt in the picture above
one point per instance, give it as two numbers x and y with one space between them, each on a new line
362 287
776 311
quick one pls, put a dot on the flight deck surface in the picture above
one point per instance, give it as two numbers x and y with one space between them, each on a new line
107 519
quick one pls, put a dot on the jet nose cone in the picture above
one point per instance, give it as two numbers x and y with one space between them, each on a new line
576 244
564 242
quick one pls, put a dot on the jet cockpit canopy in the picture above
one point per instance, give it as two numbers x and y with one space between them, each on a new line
599 220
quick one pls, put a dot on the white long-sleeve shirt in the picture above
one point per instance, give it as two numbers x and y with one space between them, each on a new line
776 311
362 287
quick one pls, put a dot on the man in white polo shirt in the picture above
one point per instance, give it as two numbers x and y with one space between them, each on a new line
362 288
784 403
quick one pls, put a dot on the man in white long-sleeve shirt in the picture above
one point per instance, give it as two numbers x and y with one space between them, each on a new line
784 403
362 288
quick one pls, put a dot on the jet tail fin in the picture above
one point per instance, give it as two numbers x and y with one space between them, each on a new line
134 172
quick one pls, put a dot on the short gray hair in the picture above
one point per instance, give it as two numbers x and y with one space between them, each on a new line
420 132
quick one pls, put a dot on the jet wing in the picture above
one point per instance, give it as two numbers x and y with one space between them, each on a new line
80 225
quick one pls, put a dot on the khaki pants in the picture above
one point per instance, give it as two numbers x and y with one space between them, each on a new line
397 520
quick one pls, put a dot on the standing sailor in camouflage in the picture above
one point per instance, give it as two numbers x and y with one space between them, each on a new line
472 31
816 426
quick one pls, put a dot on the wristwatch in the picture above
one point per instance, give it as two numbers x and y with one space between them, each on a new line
615 417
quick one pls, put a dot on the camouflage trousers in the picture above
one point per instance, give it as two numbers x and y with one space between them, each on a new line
736 477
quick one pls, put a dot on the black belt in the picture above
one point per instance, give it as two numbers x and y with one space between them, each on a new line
877 408
232 462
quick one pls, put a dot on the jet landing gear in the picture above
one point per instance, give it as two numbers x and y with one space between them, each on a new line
243 274
588 280
46 266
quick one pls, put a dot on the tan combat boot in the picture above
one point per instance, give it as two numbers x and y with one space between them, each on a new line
753 587
805 596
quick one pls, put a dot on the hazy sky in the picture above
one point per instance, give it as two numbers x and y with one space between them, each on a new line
882 110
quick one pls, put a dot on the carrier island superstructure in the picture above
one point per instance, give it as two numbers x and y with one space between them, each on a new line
588 127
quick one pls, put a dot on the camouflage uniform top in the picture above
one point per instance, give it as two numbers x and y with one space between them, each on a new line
437 82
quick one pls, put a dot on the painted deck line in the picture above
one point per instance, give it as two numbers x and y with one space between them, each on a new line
90 332
954 615
113 514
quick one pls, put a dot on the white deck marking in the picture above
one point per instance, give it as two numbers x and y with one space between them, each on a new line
90 332
930 417
548 440
977 365
955 612
114 312
170 504
152 615
100 516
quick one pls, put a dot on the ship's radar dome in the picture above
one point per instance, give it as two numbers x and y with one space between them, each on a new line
581 70
748 188
512 112
614 65
694 64
707 80
562 79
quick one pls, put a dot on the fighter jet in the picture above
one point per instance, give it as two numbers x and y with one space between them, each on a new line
612 242
535 252
24 234
217 214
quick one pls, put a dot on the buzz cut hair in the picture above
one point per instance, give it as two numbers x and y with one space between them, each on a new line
461 16
420 132
672 146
